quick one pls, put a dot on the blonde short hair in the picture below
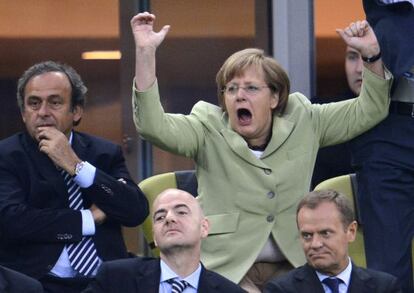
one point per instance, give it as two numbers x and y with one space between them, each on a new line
275 76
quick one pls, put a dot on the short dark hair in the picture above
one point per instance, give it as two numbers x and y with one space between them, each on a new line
79 89
313 199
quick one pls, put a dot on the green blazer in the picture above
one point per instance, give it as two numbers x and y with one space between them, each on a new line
245 198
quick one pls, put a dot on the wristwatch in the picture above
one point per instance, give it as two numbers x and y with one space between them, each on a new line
79 167
371 59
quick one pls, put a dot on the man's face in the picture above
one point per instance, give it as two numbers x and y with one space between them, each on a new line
353 69
178 221
324 238
47 103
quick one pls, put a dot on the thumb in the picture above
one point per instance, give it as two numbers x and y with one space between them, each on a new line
164 31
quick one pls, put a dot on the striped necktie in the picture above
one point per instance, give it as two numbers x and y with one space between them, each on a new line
82 255
332 283
178 286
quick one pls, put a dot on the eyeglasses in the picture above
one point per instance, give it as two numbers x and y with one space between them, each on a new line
250 90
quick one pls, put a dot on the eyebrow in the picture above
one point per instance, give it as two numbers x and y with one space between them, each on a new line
160 211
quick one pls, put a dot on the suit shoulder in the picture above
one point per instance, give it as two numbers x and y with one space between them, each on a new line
378 276
11 142
130 264
89 138
224 284
287 282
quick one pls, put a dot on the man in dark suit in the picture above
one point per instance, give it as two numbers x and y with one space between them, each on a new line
326 224
179 227
63 194
15 282
383 156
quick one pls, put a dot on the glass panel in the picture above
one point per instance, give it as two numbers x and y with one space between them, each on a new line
35 31
203 34
330 15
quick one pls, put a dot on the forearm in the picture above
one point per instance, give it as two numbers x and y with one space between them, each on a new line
144 68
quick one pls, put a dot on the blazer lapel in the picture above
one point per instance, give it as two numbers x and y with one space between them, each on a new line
281 130
239 146
44 165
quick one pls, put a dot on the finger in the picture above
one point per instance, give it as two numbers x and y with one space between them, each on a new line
353 28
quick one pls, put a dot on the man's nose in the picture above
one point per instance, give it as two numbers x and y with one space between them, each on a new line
316 242
44 109
170 217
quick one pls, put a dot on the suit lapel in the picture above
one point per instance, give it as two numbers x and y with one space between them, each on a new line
207 283
148 277
80 145
361 281
307 280
44 165
4 283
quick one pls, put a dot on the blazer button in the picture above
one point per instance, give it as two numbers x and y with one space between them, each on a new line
270 194
270 218
267 171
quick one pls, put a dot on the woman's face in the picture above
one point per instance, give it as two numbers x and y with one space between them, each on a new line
249 104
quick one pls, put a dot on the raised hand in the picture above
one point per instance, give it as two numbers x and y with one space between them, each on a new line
360 36
142 26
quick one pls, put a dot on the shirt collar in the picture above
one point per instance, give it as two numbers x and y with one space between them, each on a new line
344 276
71 137
167 273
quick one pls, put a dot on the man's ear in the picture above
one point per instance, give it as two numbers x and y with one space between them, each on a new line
351 231
77 114
205 227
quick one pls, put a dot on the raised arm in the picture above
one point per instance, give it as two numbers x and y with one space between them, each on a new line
360 36
146 43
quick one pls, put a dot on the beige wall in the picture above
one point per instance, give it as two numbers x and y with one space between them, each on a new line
59 18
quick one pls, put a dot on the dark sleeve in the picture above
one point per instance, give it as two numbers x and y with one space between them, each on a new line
116 194
273 287
25 218
99 284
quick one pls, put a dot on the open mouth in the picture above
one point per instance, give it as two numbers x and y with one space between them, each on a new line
244 116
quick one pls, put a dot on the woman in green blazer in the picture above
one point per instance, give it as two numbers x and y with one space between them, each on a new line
255 153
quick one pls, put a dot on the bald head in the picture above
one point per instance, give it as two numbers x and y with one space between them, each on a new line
178 221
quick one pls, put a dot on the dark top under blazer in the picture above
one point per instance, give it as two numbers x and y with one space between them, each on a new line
15 282
35 219
142 275
304 279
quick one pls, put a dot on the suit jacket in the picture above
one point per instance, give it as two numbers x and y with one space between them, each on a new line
35 219
393 25
15 282
245 198
142 275
304 279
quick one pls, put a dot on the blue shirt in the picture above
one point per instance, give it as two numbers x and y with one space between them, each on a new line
167 273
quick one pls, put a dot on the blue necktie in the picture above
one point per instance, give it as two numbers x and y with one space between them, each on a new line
177 285
82 255
332 283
